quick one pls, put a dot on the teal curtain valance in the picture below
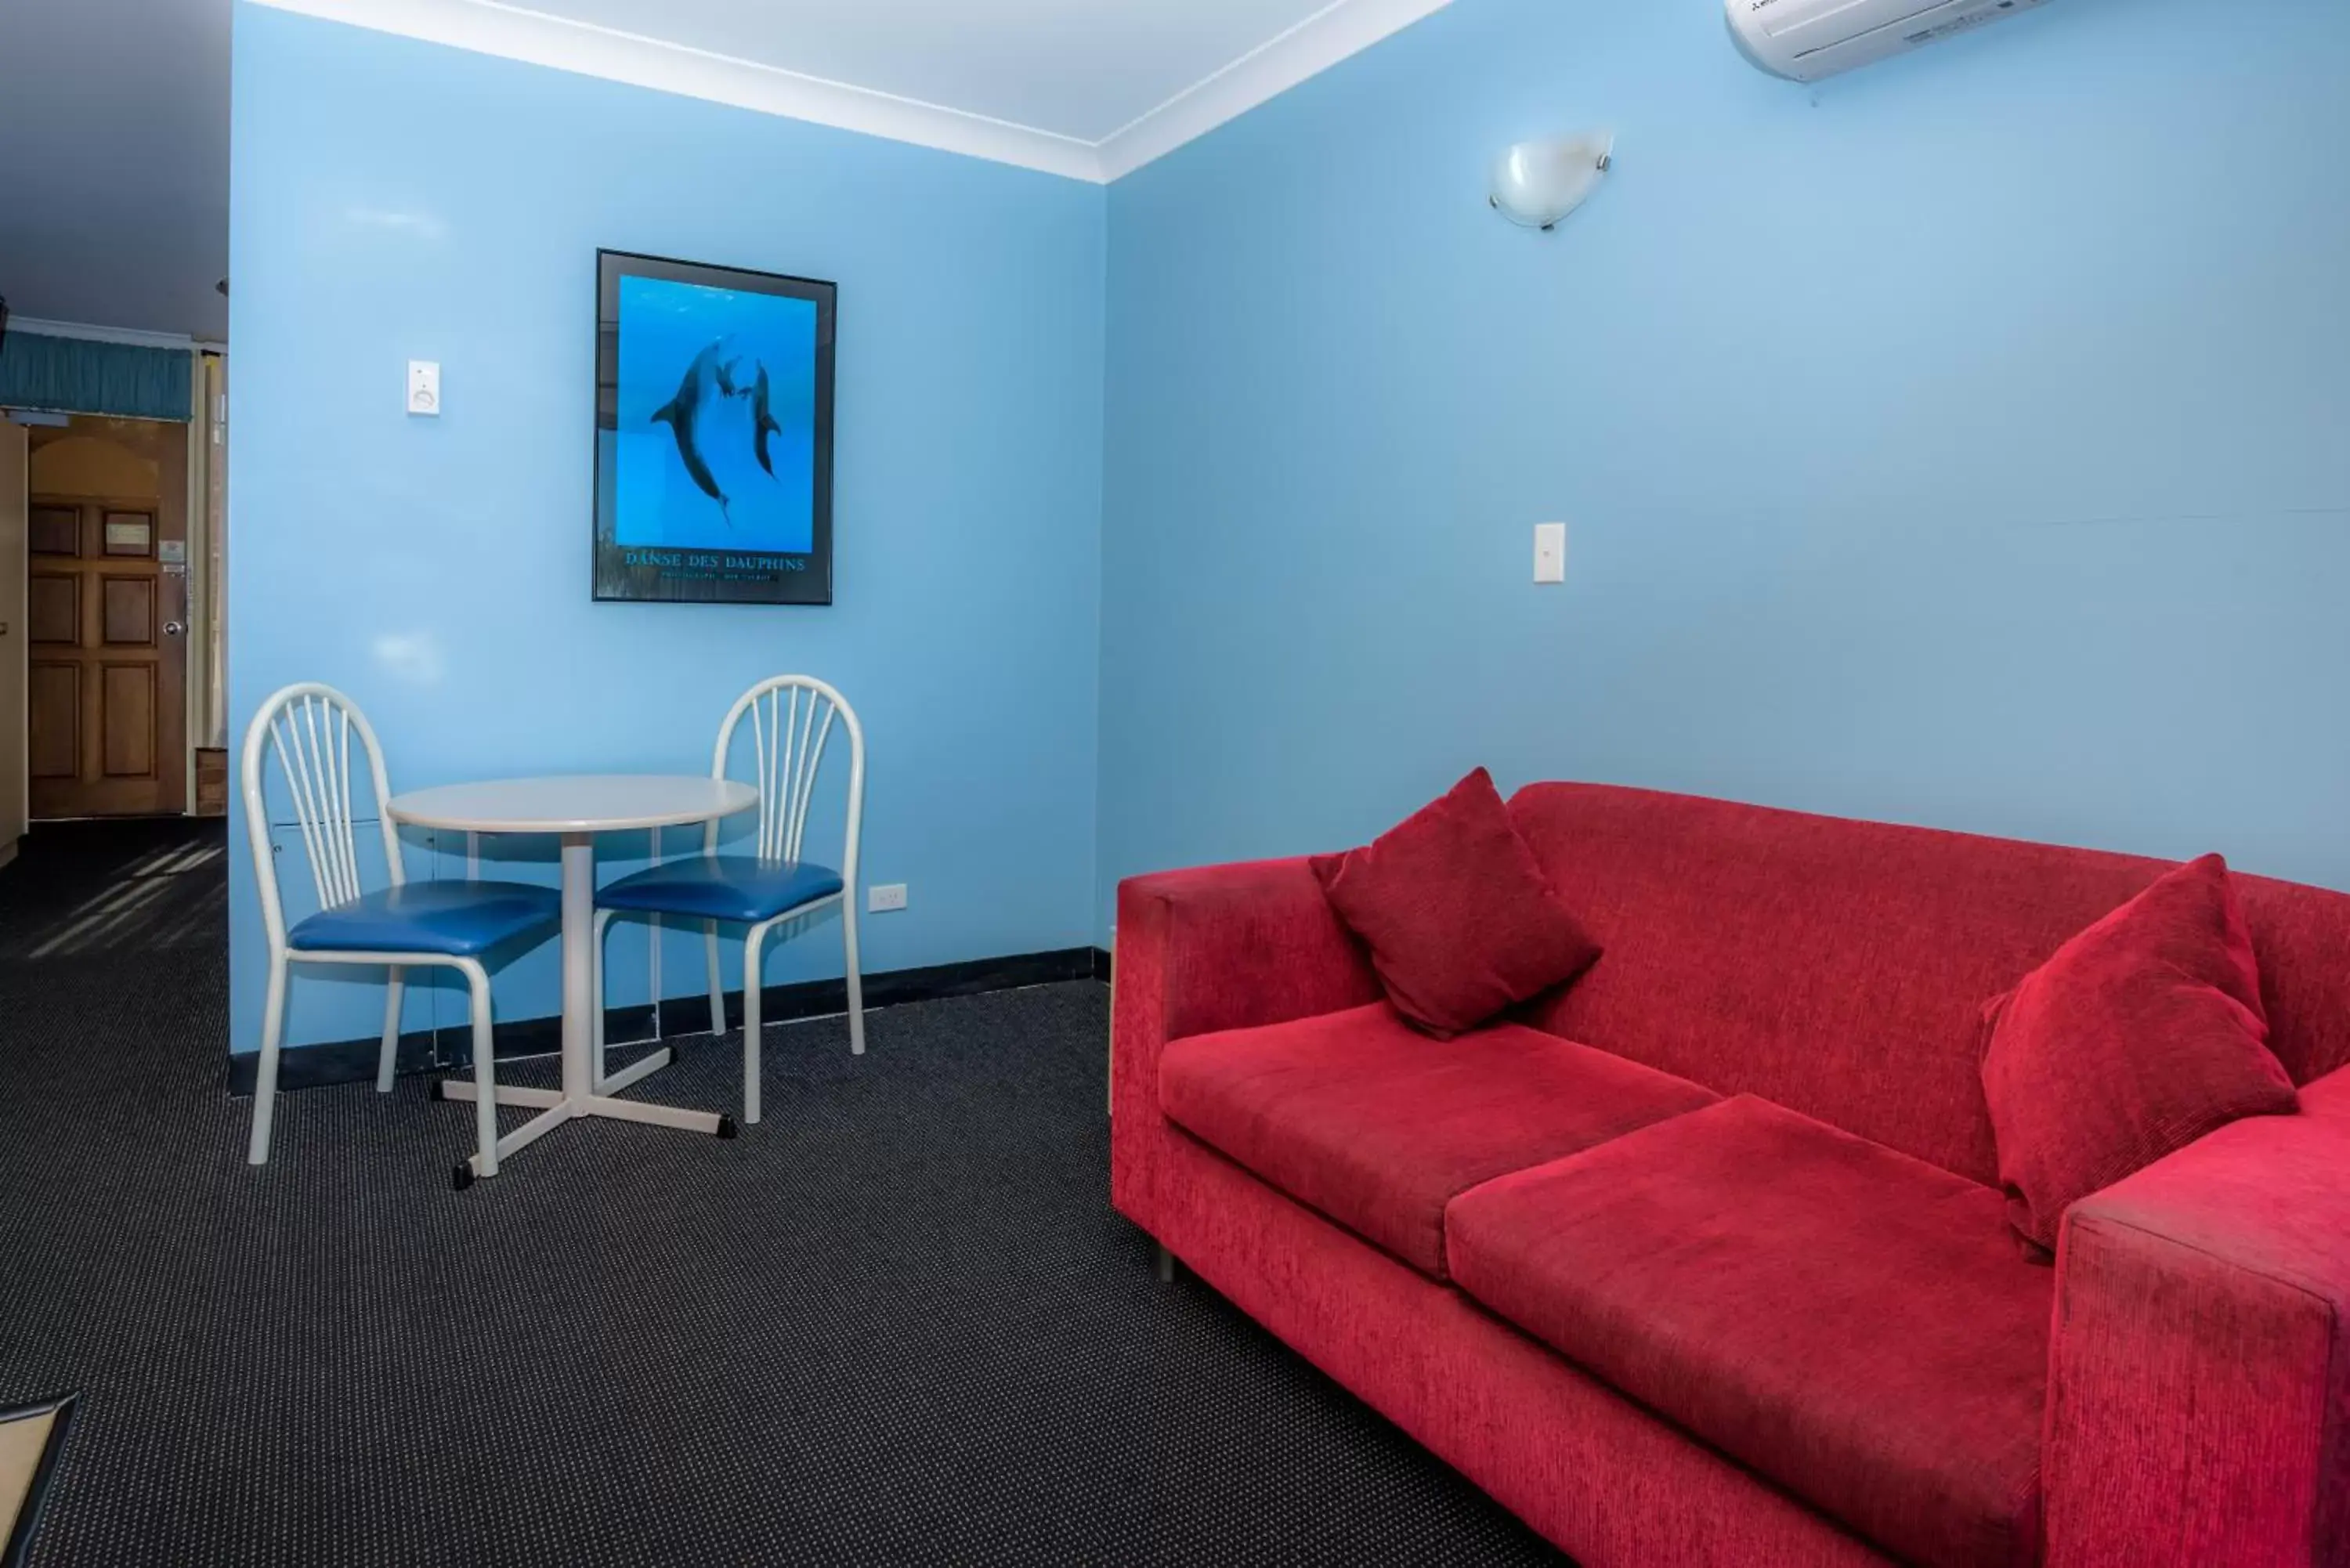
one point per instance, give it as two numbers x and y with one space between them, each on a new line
74 377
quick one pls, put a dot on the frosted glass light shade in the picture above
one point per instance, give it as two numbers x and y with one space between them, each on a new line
1538 183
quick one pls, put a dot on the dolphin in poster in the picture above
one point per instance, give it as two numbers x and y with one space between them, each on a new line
711 375
763 422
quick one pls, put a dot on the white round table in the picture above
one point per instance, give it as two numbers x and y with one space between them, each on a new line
577 809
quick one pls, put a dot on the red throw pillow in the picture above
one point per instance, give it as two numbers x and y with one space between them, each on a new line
1458 916
2141 1034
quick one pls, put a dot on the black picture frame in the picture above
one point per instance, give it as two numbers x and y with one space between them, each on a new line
713 573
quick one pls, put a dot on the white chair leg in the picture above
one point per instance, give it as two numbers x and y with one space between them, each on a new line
265 1080
856 981
753 945
717 982
486 1081
596 990
394 991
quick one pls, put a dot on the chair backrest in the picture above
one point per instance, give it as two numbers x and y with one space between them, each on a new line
310 727
791 719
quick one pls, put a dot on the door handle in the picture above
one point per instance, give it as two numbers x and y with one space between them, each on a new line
173 627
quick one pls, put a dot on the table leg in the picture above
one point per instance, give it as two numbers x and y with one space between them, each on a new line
579 1096
578 967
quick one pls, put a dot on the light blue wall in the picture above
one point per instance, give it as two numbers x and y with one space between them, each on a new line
1964 441
395 200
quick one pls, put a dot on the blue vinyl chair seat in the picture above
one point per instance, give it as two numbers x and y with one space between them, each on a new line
458 920
722 887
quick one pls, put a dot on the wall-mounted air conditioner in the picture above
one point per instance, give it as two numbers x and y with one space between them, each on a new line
1808 39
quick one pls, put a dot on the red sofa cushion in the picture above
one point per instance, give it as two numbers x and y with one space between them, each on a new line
1377 1127
1854 1324
2140 1036
1460 920
1839 968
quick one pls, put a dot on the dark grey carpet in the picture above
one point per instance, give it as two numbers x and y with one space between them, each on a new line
82 888
895 1323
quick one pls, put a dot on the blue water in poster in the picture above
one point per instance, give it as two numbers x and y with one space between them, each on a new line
716 419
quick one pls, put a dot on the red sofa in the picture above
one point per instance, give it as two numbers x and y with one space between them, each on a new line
1702 1260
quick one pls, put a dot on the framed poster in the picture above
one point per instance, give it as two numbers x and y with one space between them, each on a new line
713 433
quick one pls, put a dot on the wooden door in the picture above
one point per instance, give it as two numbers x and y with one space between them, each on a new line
105 621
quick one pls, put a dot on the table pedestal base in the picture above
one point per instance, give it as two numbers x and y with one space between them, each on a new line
556 1108
582 1094
576 810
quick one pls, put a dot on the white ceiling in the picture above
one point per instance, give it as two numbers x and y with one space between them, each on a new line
1077 68
114 163
1087 89
114 113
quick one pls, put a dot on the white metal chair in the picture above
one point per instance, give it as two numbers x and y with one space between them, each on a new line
772 886
403 925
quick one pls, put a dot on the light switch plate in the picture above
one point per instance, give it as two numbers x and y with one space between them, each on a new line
424 385
1550 552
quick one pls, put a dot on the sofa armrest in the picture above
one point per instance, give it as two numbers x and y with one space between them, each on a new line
1220 947
2199 1399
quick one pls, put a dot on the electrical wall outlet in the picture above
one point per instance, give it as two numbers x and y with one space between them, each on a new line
882 897
424 387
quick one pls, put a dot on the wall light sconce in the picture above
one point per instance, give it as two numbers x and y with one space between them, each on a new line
1537 183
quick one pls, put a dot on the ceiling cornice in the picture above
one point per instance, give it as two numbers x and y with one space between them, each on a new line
1339 29
517 33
